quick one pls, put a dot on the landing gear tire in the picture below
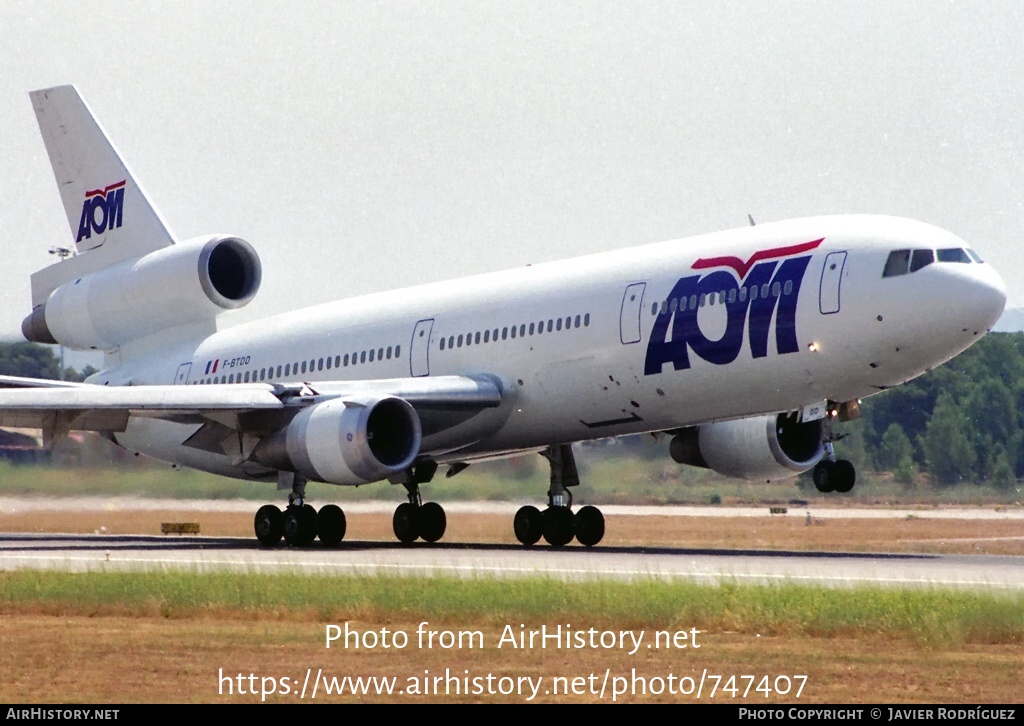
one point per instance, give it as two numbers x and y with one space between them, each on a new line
844 476
558 526
331 525
528 525
269 525
588 524
300 526
405 523
825 476
432 522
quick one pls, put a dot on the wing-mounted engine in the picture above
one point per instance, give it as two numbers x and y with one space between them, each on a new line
173 286
759 448
346 440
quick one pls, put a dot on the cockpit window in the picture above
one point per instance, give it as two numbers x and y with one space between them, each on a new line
901 262
920 259
897 264
953 254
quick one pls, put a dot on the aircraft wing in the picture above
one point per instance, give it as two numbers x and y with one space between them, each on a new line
58 407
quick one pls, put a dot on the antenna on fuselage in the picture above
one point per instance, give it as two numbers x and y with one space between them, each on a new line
752 222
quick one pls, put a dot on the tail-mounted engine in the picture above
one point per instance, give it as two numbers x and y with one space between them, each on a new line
760 448
346 441
177 285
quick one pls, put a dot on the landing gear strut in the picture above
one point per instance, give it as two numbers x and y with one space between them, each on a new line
414 519
300 523
557 524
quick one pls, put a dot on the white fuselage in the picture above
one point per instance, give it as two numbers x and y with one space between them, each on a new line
650 338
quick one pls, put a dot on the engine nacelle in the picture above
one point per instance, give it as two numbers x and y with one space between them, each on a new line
760 448
346 440
177 285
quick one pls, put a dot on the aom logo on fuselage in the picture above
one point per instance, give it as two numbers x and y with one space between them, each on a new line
101 210
765 285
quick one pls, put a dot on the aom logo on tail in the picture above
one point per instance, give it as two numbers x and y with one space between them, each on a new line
101 210
762 285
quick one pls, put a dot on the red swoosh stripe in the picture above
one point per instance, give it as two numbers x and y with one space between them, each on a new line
103 192
742 268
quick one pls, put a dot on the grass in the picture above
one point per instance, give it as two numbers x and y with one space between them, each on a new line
179 637
927 617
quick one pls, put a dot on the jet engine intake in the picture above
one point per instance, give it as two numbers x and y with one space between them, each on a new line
349 440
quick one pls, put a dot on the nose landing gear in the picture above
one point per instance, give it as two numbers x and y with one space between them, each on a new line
833 475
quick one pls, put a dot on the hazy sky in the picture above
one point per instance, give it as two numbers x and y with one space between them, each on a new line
369 145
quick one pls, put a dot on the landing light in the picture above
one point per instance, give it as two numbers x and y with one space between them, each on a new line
813 347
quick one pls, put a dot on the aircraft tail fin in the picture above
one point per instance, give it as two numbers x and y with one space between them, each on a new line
105 205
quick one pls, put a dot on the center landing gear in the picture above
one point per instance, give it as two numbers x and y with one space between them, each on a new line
413 519
557 524
300 524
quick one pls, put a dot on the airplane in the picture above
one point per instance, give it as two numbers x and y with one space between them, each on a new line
743 348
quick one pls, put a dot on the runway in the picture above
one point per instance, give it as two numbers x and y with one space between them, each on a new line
97 553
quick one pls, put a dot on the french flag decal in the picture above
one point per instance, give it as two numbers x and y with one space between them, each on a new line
211 366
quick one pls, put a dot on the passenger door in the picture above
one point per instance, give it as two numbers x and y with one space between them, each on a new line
629 316
419 350
831 281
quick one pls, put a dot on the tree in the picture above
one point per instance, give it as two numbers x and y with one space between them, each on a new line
993 424
949 453
1000 473
896 454
29 360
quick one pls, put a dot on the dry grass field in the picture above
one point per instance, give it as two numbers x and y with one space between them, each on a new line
110 659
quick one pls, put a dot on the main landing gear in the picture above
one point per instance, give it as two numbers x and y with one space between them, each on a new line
557 524
300 523
414 519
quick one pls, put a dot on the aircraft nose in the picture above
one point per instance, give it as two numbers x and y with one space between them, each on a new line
987 296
